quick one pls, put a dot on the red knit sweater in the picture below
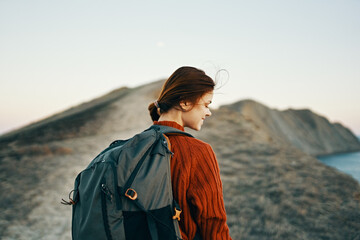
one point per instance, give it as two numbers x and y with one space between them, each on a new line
197 187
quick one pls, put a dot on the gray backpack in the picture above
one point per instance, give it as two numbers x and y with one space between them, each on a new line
126 193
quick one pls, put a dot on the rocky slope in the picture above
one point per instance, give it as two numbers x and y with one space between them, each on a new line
304 129
272 189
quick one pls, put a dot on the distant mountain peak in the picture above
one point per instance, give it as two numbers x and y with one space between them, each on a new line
303 128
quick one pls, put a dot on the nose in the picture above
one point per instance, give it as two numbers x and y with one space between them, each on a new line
208 114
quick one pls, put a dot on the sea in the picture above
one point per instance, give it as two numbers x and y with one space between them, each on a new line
345 162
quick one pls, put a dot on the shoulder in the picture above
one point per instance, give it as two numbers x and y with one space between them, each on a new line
203 147
193 148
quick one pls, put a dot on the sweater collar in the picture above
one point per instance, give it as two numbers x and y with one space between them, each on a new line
170 124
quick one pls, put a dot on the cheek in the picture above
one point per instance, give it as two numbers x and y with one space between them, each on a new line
193 118
196 114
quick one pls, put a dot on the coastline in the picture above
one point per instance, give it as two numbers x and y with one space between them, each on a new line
348 163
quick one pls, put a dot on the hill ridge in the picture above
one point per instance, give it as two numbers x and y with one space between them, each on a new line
304 129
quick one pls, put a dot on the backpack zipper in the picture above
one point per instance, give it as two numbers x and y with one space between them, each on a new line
107 192
116 187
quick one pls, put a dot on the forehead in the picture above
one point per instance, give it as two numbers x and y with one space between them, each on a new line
207 97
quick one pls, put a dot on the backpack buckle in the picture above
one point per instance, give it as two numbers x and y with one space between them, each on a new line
131 193
178 211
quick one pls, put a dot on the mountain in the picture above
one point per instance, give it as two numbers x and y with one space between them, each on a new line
273 188
304 129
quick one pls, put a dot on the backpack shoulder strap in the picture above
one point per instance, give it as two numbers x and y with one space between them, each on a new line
169 130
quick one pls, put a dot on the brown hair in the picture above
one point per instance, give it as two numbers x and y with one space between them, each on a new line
185 84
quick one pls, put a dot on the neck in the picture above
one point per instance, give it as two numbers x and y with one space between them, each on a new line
172 115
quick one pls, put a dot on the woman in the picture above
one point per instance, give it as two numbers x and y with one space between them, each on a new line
184 102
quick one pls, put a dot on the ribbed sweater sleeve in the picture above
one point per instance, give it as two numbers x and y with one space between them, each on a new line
197 188
205 194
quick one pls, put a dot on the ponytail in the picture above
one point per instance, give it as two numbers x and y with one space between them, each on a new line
154 113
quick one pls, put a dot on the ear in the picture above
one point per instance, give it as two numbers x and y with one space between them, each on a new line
185 106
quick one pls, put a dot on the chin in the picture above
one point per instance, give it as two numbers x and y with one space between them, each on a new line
198 128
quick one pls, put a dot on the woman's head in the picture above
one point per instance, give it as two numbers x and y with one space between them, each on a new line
185 89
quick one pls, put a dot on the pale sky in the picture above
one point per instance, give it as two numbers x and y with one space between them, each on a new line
298 54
